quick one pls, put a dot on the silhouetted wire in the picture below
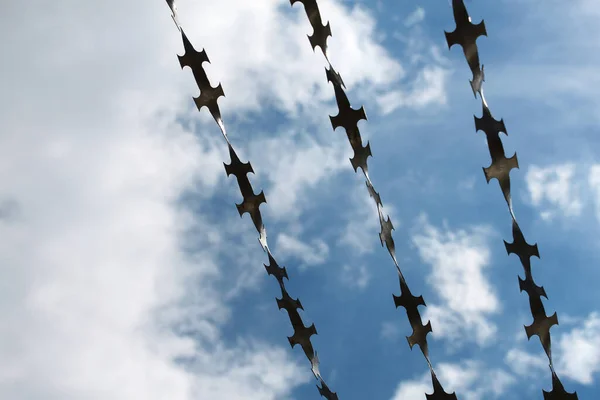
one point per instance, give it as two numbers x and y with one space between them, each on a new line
251 202
348 118
465 35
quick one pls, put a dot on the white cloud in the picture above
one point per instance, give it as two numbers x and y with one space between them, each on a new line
93 252
256 371
471 380
576 353
276 62
458 260
412 389
268 57
415 17
529 368
525 364
429 72
361 237
353 50
311 254
594 184
390 330
356 276
560 189
579 351
429 87
293 165
554 186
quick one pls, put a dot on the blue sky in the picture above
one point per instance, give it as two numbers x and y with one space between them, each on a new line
127 272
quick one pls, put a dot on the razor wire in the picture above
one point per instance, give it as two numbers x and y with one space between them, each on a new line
348 119
465 35
251 202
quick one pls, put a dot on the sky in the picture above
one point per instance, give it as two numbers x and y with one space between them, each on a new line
125 269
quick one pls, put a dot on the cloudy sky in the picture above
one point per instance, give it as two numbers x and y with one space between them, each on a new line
127 273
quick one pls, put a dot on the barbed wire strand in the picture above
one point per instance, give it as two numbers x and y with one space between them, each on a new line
465 35
348 118
208 98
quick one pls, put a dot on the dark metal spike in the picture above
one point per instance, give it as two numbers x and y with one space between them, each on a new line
237 168
274 269
360 157
541 328
302 336
374 194
348 118
558 391
193 59
251 202
250 205
520 247
334 77
208 95
438 391
302 333
465 35
488 124
324 391
500 169
320 32
386 235
411 304
501 166
531 288
288 303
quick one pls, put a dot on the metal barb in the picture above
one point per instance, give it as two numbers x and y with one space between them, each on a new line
326 392
320 32
558 391
251 201
501 166
411 304
438 391
465 35
208 95
348 118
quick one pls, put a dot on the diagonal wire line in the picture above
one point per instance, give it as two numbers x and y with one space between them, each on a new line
208 98
348 118
465 35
